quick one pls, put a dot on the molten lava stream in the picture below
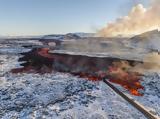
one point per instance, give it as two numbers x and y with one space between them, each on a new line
37 60
94 69
128 80
88 76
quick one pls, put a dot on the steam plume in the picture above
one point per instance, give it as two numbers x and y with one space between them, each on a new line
151 64
139 20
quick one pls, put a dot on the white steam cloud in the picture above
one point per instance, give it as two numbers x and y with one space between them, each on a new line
139 20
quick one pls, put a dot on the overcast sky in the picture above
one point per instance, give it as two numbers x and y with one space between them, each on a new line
38 17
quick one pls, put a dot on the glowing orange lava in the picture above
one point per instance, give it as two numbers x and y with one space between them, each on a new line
128 80
95 69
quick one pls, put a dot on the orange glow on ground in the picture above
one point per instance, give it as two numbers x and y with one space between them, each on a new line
40 61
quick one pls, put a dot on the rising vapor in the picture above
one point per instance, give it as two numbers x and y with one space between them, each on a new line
139 20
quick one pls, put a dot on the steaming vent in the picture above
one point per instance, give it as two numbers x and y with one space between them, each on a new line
92 68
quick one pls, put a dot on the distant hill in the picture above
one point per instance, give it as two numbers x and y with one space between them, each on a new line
53 36
81 34
68 36
61 37
150 39
147 35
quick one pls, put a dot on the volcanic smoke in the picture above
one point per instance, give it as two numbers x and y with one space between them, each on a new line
139 20
39 60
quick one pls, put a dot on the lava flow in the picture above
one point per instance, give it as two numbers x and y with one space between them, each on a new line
35 61
39 60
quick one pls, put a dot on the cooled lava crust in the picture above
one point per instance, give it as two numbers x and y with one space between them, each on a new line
39 60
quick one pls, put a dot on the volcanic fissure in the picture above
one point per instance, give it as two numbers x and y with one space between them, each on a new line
39 60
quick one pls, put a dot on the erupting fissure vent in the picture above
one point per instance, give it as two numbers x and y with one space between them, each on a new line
39 60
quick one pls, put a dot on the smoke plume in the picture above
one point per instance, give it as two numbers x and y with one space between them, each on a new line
139 20
150 64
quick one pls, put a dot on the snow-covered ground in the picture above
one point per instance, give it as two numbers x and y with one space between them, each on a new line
57 96
63 96
60 96
151 97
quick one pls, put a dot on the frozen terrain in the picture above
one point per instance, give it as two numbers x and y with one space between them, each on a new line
64 96
57 95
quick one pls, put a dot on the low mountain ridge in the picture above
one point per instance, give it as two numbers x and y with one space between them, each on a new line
150 40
